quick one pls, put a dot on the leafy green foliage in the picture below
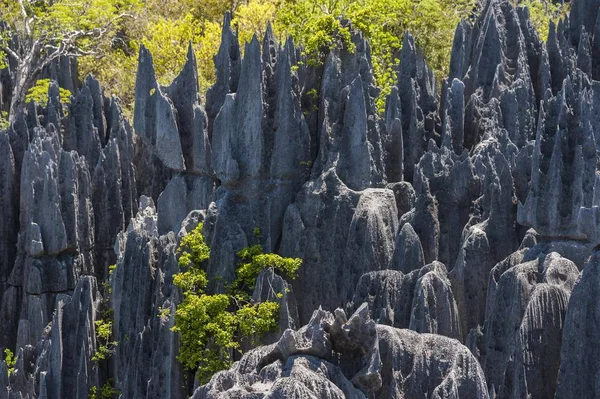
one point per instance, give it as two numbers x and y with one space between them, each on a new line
193 248
542 12
4 120
10 360
105 346
39 93
316 25
213 326
47 30
256 261
108 391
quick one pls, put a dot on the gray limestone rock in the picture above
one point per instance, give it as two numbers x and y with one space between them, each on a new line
349 138
389 295
560 199
486 240
327 215
183 194
237 132
227 66
579 354
9 203
454 184
405 196
370 356
423 217
392 138
434 309
525 317
63 365
145 359
421 300
408 252
454 126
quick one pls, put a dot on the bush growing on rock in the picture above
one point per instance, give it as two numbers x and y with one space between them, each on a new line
214 326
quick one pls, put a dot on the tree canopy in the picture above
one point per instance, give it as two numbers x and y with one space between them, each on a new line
214 326
107 34
35 33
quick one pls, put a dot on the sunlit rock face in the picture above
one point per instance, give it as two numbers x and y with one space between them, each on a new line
448 242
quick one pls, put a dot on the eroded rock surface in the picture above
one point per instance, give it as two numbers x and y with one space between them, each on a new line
463 214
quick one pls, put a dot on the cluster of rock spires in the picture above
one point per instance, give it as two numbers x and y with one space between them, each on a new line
449 245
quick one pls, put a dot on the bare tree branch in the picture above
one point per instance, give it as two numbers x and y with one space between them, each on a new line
11 53
25 18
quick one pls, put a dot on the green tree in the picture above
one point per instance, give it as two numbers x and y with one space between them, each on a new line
317 25
541 12
213 326
39 32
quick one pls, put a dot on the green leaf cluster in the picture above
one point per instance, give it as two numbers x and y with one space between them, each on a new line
315 24
39 93
11 360
105 346
256 261
212 327
107 391
542 12
167 26
4 124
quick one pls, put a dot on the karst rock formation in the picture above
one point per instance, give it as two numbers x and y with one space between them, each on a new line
449 244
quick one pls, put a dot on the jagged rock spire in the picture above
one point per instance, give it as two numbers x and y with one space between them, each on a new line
228 66
564 164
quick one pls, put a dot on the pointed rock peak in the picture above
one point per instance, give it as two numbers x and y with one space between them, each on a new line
289 44
552 31
92 83
596 50
408 255
269 50
289 51
190 68
408 56
53 92
31 120
146 66
227 23
252 54
253 43
190 55
229 39
185 86
287 54
269 35
584 53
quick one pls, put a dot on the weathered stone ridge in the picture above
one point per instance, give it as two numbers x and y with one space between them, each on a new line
449 243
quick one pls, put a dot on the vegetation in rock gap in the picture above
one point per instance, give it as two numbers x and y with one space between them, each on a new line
107 34
542 12
214 326
10 360
105 345
39 93
107 391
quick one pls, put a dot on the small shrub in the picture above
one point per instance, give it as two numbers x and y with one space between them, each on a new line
11 360
212 326
39 93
